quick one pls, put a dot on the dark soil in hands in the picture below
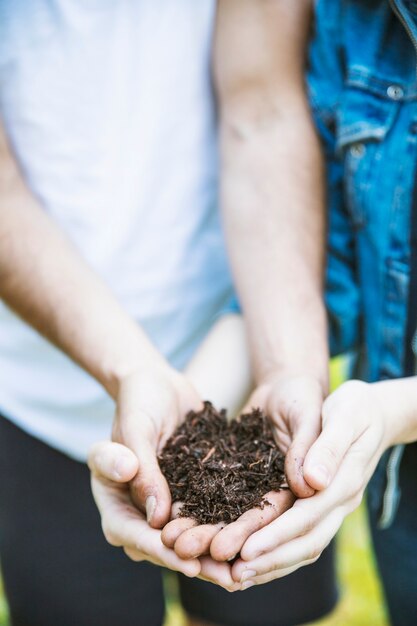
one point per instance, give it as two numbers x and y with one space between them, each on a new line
220 469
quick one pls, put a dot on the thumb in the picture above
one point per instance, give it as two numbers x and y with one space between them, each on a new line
325 456
303 438
112 461
149 488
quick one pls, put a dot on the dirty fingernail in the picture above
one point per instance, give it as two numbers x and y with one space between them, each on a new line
247 585
249 573
150 508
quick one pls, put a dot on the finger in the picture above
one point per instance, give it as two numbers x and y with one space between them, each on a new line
326 454
121 522
305 515
174 529
229 541
303 438
306 548
266 578
113 461
124 525
112 499
218 573
175 510
149 488
196 541
150 547
137 556
300 519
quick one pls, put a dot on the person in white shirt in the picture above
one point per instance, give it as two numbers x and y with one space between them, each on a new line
113 270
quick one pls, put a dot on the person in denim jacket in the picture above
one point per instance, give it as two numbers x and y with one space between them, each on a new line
362 82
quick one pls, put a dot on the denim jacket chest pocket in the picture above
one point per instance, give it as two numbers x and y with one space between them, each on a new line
367 110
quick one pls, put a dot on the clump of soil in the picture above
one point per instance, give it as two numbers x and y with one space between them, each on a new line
220 469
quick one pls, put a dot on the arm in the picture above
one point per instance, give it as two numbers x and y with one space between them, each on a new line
272 195
45 281
273 208
220 369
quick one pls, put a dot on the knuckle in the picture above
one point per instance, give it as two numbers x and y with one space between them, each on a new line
310 519
314 559
134 555
330 453
109 534
342 400
314 552
355 487
310 523
139 541
353 387
356 501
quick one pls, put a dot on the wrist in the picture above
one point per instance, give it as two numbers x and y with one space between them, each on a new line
127 356
293 354
299 376
397 403
317 373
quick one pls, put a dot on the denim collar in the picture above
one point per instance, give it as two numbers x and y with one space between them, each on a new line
406 11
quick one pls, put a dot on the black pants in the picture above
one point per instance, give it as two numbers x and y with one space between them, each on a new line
59 571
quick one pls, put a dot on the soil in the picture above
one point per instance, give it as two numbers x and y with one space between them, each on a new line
218 468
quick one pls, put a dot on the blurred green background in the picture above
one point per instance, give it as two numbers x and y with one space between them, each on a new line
361 598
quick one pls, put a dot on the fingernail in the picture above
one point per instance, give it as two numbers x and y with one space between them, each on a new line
247 585
322 475
122 467
232 558
150 508
249 573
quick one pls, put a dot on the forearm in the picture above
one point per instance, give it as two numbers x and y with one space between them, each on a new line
273 195
220 368
274 218
44 279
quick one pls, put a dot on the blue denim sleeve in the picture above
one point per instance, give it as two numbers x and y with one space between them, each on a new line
342 292
325 87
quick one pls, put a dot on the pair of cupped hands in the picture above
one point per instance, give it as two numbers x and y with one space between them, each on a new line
332 447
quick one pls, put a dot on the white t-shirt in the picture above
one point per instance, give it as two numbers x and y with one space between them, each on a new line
109 110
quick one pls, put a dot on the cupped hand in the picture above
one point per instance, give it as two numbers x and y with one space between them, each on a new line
338 465
149 406
294 406
113 466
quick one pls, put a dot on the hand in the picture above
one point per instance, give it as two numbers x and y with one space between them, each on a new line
339 465
112 467
150 405
294 406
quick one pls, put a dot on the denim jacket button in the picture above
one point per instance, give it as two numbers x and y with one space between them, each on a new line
357 150
395 92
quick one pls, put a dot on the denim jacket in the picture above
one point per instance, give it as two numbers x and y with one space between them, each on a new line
362 82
